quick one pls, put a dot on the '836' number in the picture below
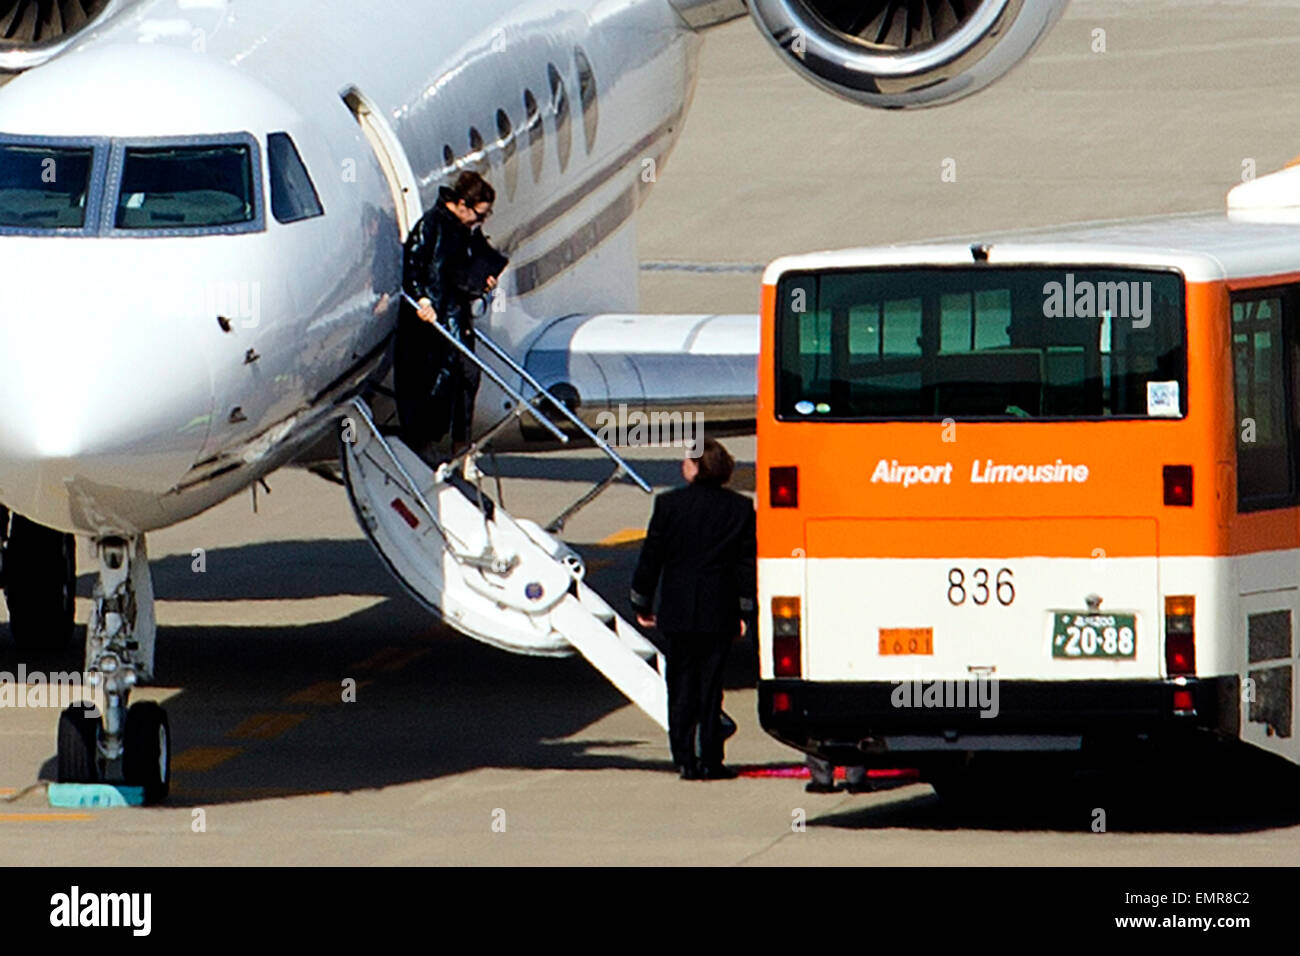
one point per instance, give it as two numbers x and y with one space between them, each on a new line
980 589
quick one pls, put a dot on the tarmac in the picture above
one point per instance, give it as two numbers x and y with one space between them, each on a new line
455 753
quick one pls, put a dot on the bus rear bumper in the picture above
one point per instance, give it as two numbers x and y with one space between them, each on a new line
877 724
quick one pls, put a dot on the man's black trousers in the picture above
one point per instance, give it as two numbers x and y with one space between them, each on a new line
695 666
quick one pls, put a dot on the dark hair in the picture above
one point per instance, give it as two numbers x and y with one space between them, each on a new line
715 464
473 190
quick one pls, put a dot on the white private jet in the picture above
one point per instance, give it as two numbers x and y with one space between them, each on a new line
202 209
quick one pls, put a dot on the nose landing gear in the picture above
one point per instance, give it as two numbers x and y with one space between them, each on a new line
125 744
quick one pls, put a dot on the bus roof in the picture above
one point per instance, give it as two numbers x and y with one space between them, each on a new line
1205 247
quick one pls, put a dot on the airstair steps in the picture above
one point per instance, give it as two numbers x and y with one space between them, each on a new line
499 579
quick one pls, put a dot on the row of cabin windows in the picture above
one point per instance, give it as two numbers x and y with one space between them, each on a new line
507 140
181 186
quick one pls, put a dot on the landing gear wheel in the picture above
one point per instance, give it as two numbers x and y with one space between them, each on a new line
40 586
147 751
77 731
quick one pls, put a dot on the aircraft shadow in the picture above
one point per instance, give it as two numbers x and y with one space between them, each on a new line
269 571
261 710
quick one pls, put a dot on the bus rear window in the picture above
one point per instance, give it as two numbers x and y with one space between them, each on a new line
981 343
186 187
44 187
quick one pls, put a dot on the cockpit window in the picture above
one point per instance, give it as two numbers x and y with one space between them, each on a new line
293 195
44 187
186 187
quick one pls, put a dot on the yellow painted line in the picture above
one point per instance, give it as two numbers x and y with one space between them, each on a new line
406 657
391 659
198 759
378 659
623 537
44 817
326 692
266 726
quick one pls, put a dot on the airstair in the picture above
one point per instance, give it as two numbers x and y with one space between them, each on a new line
502 580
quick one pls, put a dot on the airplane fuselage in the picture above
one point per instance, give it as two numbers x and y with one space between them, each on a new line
151 371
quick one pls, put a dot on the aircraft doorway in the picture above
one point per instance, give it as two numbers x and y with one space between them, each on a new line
391 156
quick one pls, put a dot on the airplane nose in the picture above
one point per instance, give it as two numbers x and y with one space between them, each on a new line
101 411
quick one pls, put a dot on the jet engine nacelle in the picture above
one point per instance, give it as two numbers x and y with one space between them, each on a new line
33 31
904 53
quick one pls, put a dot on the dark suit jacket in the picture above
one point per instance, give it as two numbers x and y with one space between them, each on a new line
700 552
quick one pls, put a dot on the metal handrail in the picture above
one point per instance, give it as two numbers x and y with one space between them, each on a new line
524 374
568 413
492 374
487 562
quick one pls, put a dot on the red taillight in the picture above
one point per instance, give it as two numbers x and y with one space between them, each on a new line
785 653
1180 655
1178 485
781 702
1180 635
1183 703
783 486
787 656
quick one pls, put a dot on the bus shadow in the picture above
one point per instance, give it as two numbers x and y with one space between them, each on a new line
1112 803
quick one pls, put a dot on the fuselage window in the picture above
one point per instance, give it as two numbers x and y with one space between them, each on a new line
181 187
506 143
560 107
587 94
293 195
477 156
536 135
44 187
506 133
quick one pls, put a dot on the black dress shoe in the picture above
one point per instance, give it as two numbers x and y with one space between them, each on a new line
816 786
687 772
718 772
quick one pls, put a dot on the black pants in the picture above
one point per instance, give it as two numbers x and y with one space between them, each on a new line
436 385
695 665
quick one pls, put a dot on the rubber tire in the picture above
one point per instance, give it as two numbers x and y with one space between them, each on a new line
78 731
146 759
40 586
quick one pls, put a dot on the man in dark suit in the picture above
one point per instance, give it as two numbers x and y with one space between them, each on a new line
700 554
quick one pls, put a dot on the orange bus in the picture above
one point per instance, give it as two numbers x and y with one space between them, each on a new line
1033 496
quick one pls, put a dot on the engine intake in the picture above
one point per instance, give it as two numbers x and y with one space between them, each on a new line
905 53
32 31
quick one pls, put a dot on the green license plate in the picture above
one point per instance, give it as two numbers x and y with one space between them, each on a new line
1082 635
